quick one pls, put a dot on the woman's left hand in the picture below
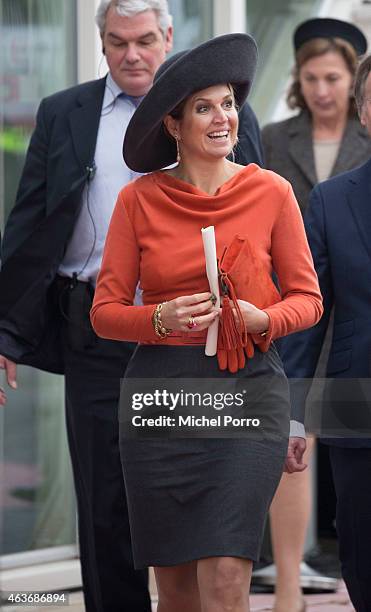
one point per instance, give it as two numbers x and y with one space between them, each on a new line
256 320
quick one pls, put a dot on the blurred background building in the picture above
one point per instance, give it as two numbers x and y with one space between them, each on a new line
45 46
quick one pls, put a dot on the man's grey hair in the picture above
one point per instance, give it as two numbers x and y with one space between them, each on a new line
363 71
130 8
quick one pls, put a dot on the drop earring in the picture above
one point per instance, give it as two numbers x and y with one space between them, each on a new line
177 148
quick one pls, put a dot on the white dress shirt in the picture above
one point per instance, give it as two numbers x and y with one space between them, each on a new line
109 175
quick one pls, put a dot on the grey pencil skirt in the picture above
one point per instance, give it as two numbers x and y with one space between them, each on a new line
196 497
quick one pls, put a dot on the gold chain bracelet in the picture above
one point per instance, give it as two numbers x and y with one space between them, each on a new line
160 331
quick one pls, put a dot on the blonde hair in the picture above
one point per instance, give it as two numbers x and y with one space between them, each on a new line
177 112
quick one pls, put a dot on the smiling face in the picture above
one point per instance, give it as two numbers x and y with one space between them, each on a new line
208 125
326 83
135 47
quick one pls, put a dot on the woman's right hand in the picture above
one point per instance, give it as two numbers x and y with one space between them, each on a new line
180 313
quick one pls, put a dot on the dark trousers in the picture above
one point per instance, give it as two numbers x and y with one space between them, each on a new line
93 368
352 477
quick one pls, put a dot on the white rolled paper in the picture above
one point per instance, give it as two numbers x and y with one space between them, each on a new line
208 239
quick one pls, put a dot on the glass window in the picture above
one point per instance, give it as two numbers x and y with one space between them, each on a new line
192 21
38 51
38 57
272 24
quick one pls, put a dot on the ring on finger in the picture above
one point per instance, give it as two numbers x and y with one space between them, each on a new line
191 322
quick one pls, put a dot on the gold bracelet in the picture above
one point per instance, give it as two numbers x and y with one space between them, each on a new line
265 333
160 331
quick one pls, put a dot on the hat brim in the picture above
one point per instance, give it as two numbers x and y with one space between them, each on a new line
326 27
231 58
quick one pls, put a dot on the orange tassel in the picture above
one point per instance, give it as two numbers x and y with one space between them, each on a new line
241 358
222 358
230 335
233 333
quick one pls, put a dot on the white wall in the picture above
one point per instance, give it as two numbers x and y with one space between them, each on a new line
229 16
361 16
91 63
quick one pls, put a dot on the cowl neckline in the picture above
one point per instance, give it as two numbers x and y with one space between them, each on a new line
188 191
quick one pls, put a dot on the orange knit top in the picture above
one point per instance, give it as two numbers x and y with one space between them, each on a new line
155 237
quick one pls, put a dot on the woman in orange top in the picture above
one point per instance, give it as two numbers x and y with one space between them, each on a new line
197 505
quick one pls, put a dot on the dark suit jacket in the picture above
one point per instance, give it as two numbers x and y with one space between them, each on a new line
48 201
288 150
338 225
249 148
58 165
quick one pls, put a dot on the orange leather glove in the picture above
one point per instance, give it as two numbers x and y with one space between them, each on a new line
233 340
234 359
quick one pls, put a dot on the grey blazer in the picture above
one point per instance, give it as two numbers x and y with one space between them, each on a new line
288 151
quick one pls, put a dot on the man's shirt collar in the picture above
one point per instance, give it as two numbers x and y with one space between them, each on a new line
113 91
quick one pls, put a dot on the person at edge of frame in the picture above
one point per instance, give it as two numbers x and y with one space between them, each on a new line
323 139
51 254
338 225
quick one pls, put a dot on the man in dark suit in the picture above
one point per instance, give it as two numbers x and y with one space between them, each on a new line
51 255
338 223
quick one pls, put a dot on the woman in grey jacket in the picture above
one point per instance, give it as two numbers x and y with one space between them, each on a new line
322 140
325 138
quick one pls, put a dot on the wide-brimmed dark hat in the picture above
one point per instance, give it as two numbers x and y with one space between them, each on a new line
230 59
324 27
